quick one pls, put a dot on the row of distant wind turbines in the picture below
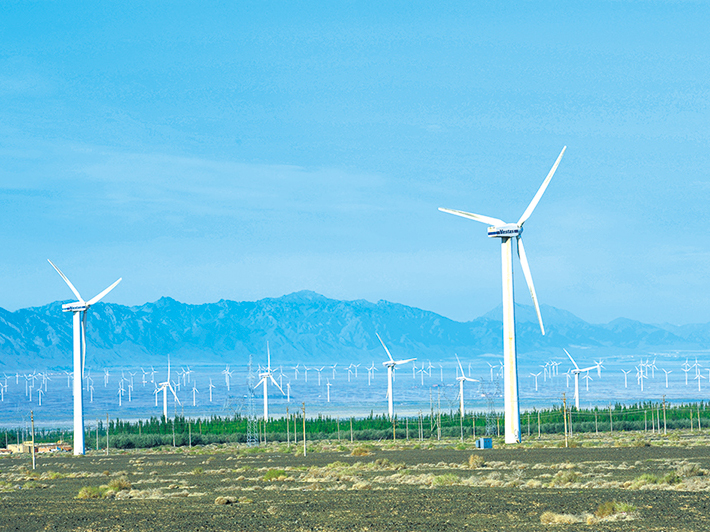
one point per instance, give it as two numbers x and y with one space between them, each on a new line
507 232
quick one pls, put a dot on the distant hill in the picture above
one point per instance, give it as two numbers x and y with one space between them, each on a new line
303 327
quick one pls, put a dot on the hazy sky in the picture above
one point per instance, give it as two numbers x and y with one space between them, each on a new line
246 150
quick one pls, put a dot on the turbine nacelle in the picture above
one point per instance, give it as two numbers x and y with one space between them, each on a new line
505 231
79 306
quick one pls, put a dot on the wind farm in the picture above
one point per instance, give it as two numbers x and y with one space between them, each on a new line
304 330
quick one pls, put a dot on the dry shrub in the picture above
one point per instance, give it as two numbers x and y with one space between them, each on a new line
275 474
362 485
551 518
225 500
365 449
689 470
119 484
475 461
609 508
447 479
564 477
91 492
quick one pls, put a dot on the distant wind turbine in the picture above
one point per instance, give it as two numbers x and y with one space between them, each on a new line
390 365
462 378
164 387
266 376
576 371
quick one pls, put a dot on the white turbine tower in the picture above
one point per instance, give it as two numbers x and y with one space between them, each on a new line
576 373
266 376
79 310
626 377
462 378
535 376
506 231
390 365
667 372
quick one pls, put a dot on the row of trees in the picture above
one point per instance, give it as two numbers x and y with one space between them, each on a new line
180 430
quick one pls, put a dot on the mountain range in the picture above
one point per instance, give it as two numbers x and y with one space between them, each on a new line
306 327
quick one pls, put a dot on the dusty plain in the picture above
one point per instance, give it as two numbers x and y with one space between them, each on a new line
660 483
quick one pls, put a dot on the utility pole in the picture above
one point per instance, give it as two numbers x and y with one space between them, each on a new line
538 425
564 415
252 424
438 416
528 424
351 429
611 421
304 428
288 428
32 420
664 416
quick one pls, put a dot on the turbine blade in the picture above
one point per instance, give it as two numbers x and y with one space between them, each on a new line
570 357
76 292
528 279
102 294
397 362
477 217
383 345
83 342
174 394
276 384
541 190
457 360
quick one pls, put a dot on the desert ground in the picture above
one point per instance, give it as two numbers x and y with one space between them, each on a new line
629 482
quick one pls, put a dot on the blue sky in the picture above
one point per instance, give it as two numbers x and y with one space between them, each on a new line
246 150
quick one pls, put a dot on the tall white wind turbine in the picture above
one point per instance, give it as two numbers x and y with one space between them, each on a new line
506 232
390 365
79 310
266 376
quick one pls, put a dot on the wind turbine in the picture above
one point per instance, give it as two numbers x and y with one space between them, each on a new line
626 377
227 374
266 376
370 373
79 310
164 387
506 231
462 378
576 373
667 372
535 376
211 387
390 365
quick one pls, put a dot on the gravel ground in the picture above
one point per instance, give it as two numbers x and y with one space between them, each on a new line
391 488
